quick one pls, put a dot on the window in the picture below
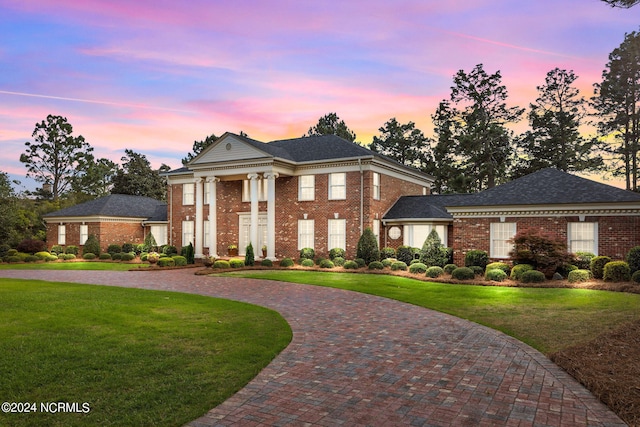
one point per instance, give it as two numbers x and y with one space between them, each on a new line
262 190
501 232
187 233
416 234
337 233
306 188
206 232
62 235
582 237
306 233
337 186
376 230
188 196
160 234
84 234
376 186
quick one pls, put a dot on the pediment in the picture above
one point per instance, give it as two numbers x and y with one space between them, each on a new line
228 148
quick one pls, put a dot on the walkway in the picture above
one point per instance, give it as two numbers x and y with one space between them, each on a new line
361 360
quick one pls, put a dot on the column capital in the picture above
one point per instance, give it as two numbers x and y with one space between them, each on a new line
271 175
253 176
198 180
213 179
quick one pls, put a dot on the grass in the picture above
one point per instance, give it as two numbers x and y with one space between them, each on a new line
548 319
74 265
138 357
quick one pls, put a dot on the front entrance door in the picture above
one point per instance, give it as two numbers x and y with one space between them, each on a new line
245 234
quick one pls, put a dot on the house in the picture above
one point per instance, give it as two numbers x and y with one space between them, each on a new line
318 192
591 216
114 219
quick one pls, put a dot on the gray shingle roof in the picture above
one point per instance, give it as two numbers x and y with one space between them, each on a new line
424 207
119 205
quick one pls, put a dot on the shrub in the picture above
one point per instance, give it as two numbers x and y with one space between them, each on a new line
579 275
31 246
463 273
130 247
495 274
387 253
519 269
150 243
476 257
544 251
222 264
266 263
42 255
127 256
336 253
432 252
31 258
72 249
616 271
144 256
327 263
376 265
319 260
166 262
449 268
179 260
12 252
339 261
399 265
92 245
388 261
55 249
170 250
114 249
633 259
188 253
306 262
12 259
105 256
635 277
236 263
360 262
139 248
404 254
532 276
89 256
565 269
499 266
118 256
417 268
51 257
582 260
67 257
307 253
434 272
286 262
249 256
477 270
367 248
415 261
350 265
597 266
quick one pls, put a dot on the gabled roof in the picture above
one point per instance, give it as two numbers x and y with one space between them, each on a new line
117 205
424 207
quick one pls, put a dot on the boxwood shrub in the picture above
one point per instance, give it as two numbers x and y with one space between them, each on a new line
463 273
518 270
360 262
118 256
338 261
55 249
179 260
477 270
307 253
127 256
635 277
286 262
399 265
582 260
336 253
579 275
404 254
350 265
477 258
532 276
376 265
72 249
434 272
388 261
166 262
500 266
449 268
105 256
222 264
495 274
114 248
327 263
306 262
597 266
633 259
89 256
12 259
616 271
236 263
68 257
266 263
32 258
387 253
417 268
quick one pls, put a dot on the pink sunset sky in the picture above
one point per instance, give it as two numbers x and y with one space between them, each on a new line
154 76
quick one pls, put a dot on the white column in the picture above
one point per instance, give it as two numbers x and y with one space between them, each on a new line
213 216
271 215
199 219
253 190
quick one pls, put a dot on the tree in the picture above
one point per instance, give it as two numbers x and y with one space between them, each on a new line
555 118
95 180
433 253
403 143
8 205
367 248
616 101
136 177
331 124
56 157
622 3
198 146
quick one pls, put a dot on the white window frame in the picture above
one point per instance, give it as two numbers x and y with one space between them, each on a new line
306 188
306 233
159 232
62 234
337 234
188 193
84 233
576 241
188 233
414 235
500 233
376 230
338 186
376 186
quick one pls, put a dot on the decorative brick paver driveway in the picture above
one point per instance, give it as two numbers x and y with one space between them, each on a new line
361 360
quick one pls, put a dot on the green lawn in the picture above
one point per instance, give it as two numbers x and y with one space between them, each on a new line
137 357
547 319
74 265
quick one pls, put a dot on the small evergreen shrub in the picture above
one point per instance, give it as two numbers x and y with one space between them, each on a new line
105 256
179 260
434 272
597 266
68 257
319 260
532 276
166 262
12 252
565 269
249 256
387 253
127 256
417 268
500 266
449 268
404 254
350 265
118 256
633 259
114 249
582 260
55 249
518 270
32 258
306 262
579 275
51 257
432 252
399 265
307 253
236 263
266 263
139 248
360 262
476 257
367 248
12 259
188 253
150 243
221 264
327 263
129 247
42 255
72 249
89 256
376 265
31 246
336 253
388 261
339 261
144 256
92 245
170 250
495 274
635 277
616 271
463 273
477 270
286 262
415 261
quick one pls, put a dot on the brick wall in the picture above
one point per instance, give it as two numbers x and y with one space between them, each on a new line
107 233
